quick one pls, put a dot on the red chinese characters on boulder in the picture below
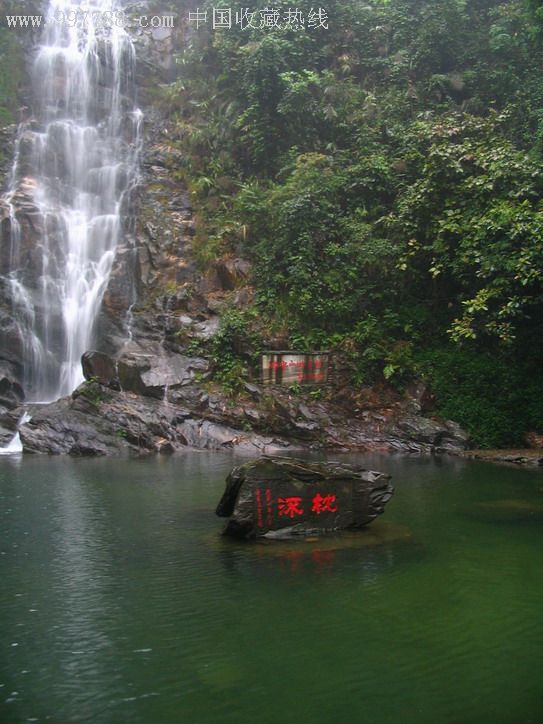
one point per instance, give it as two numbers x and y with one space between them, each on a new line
324 504
259 519
259 508
278 497
289 506
269 516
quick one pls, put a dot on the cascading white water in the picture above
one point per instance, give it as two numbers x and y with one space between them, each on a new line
76 161
15 446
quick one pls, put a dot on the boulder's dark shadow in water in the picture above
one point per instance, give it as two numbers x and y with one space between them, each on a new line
383 541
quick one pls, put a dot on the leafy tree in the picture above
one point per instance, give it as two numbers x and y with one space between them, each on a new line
472 225
384 176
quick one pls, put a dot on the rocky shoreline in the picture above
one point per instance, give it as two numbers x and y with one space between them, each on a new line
149 384
144 404
522 456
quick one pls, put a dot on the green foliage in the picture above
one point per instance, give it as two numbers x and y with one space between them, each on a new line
11 70
93 391
495 394
315 247
295 388
232 349
384 177
473 222
536 15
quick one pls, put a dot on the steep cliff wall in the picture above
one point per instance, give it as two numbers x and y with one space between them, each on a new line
149 386
15 51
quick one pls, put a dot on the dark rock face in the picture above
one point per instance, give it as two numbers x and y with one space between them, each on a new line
100 367
7 139
276 497
96 420
146 392
232 273
143 404
156 47
423 432
11 392
151 375
141 372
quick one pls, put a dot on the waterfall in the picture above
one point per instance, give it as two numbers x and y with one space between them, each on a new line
15 446
75 164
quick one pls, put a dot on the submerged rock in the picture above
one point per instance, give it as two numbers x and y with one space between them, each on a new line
278 497
510 457
507 511
320 548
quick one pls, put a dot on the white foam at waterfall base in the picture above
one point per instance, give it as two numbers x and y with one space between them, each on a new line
15 446
77 165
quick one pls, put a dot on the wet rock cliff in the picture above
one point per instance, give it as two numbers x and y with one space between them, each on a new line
149 388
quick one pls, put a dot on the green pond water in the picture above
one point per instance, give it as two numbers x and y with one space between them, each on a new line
120 602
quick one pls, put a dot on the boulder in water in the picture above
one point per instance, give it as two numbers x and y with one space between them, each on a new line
279 497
